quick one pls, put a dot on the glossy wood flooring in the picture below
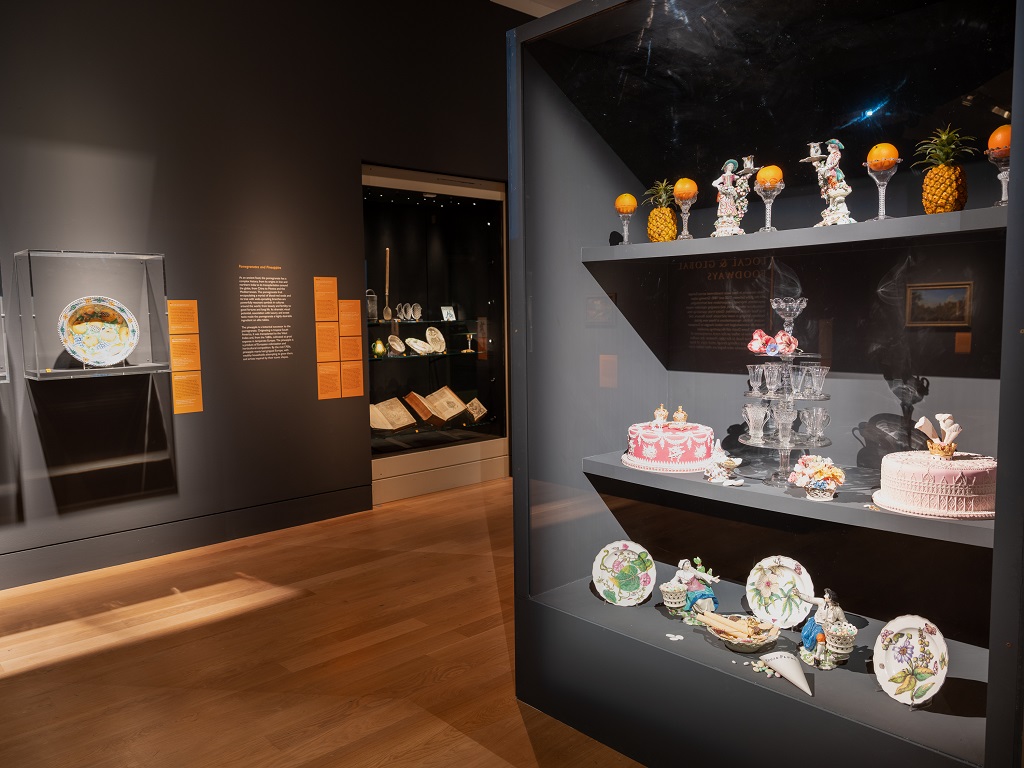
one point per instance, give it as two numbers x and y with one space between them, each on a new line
378 639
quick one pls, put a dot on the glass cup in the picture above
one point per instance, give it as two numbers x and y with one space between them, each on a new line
797 376
784 415
772 377
755 416
818 373
754 374
816 420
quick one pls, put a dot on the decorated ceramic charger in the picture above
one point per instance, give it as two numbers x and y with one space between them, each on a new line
771 591
97 330
624 573
435 339
910 659
420 347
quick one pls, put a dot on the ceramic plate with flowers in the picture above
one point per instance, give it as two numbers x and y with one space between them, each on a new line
910 659
624 573
772 589
818 476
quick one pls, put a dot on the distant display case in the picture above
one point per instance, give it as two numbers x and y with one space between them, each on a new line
91 314
5 375
437 262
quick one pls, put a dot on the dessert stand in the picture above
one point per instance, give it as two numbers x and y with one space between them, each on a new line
781 393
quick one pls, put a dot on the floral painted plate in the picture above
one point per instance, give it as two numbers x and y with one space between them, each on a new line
910 659
436 339
97 330
624 573
771 591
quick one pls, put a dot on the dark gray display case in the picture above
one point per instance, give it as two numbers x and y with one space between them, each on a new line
577 384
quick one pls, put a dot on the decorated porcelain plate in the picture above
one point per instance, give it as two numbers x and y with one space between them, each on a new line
435 339
624 573
910 659
98 330
772 588
396 344
420 347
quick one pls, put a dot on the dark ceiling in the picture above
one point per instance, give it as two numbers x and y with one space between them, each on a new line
676 87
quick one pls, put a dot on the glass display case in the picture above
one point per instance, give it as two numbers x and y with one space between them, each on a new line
91 314
606 98
435 265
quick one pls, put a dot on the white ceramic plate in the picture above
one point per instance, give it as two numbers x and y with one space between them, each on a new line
910 659
97 330
396 344
771 588
420 347
624 573
436 339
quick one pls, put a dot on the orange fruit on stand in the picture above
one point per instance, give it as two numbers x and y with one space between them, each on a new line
999 141
625 203
769 176
882 157
685 189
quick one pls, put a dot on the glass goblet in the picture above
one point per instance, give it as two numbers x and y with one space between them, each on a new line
768 193
1000 158
881 178
684 214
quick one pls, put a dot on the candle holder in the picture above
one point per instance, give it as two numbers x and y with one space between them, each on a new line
881 178
1000 158
684 214
768 193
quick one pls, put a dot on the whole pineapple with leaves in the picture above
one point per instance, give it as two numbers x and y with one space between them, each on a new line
661 222
945 184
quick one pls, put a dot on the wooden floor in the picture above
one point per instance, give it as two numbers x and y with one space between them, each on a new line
378 639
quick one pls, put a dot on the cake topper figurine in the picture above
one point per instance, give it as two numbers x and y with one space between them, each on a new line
660 414
943 448
827 637
690 591
679 416
733 189
831 181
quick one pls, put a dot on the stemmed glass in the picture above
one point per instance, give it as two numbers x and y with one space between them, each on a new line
788 308
684 214
625 227
768 193
784 414
816 419
797 374
772 377
881 178
818 373
754 375
1000 158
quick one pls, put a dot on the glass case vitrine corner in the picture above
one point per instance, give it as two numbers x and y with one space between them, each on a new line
88 314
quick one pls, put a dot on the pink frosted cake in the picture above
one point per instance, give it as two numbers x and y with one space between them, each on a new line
918 483
662 446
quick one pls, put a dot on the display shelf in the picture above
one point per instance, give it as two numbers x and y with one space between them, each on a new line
950 726
437 356
798 443
46 282
936 225
851 507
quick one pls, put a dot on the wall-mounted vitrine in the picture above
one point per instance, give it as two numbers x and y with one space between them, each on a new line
91 314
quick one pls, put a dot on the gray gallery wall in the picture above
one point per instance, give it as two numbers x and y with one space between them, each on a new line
220 134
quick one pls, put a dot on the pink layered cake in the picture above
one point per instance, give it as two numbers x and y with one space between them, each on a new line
919 483
663 446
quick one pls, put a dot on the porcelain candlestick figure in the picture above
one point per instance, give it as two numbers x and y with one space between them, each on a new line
732 189
832 183
827 637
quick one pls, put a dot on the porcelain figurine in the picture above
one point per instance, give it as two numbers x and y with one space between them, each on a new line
690 590
831 181
733 189
722 467
827 638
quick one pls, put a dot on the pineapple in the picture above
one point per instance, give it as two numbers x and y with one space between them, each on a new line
945 185
661 222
